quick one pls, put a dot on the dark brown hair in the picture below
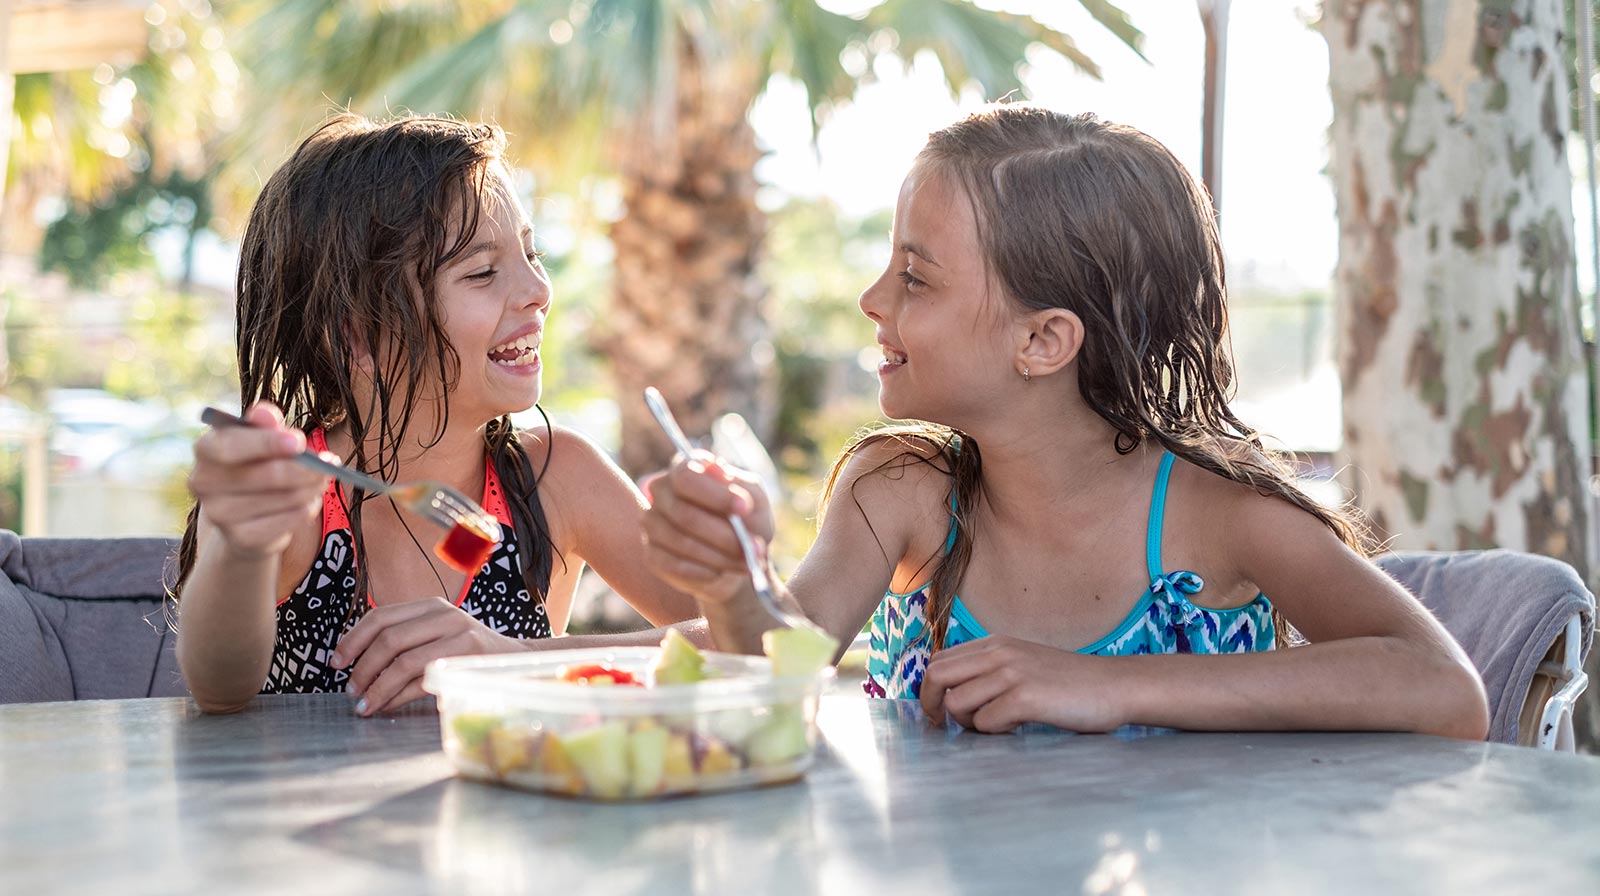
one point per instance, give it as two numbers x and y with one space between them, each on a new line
340 256
1102 220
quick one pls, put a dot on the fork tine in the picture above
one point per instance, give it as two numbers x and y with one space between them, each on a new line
459 506
451 504
434 512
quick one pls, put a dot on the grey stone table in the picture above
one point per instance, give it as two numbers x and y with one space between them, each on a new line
297 795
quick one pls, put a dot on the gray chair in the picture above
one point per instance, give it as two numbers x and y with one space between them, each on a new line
82 619
1526 621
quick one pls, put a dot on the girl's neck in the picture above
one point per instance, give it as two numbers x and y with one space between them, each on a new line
456 458
1048 469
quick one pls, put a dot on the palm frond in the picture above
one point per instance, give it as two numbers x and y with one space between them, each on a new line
456 77
806 44
974 44
1117 22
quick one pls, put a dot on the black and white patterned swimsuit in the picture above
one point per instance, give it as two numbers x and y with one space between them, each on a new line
313 618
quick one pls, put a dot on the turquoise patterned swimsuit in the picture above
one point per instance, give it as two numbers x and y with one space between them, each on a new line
1164 620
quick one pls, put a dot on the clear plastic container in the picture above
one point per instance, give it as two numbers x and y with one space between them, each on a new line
509 719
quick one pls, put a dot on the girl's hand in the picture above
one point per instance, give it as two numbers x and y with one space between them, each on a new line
391 645
249 487
996 683
688 540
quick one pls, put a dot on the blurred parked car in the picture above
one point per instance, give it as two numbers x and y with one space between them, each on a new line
154 458
90 425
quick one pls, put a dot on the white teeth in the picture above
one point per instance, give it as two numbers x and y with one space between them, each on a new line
524 351
521 343
521 360
893 356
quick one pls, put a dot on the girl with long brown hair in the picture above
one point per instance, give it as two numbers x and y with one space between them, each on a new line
1082 533
390 312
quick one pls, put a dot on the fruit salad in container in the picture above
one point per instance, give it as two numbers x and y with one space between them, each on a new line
635 722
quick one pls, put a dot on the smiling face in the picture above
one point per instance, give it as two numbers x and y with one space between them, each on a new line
492 300
942 320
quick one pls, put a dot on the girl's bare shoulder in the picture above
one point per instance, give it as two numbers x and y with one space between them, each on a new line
1235 518
896 480
899 462
564 458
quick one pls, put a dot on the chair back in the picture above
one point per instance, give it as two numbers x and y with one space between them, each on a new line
1509 611
82 618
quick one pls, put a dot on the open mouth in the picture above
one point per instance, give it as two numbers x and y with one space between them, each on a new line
891 358
519 352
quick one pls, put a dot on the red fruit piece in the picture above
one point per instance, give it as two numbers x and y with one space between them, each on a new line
467 547
596 673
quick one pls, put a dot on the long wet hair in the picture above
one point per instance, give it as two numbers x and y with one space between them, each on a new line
1102 220
340 259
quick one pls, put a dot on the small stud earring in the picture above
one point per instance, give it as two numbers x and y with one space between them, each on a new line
1025 375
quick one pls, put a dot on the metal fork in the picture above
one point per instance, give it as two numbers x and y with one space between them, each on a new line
434 501
757 569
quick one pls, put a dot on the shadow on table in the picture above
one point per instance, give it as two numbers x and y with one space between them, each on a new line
291 733
479 838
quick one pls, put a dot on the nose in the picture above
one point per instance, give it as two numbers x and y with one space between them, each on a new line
536 292
871 301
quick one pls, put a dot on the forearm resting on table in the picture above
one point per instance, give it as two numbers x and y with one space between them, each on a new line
1355 684
227 623
694 629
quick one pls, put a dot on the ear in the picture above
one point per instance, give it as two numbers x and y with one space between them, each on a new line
1049 340
360 351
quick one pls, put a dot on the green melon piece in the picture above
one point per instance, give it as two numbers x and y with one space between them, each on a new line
601 755
782 739
647 758
679 661
798 652
472 729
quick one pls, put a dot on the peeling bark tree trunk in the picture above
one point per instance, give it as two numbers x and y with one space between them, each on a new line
1465 393
687 309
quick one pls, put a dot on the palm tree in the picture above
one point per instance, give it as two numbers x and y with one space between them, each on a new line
656 92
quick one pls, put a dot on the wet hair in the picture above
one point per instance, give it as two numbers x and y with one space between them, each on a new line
1102 220
339 260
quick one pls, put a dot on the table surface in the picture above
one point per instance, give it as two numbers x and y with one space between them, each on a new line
296 794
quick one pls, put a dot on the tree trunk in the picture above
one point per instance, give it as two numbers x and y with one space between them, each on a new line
1465 392
687 309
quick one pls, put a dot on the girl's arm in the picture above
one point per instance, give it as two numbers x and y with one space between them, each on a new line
1378 660
257 512
598 515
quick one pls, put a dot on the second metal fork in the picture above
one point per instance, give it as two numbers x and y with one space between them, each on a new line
435 501
753 563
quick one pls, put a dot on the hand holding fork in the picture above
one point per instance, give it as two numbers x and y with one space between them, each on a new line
473 532
754 562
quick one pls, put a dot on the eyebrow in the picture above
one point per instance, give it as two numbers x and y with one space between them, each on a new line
920 252
485 245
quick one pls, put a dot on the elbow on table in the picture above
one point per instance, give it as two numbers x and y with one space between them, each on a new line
214 700
1462 705
220 707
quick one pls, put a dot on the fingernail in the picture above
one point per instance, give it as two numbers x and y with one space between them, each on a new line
289 441
695 466
337 660
349 687
361 706
741 504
